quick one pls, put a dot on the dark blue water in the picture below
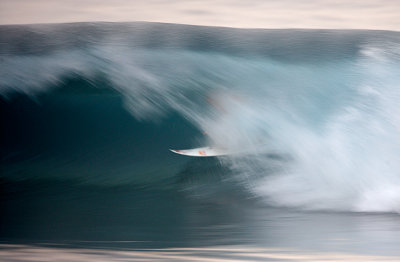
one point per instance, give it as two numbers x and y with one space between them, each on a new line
90 110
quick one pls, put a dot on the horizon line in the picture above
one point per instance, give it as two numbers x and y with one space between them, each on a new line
198 25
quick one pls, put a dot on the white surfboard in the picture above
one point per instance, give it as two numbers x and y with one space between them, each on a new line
202 152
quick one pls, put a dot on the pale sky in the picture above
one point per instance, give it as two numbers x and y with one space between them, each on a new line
344 14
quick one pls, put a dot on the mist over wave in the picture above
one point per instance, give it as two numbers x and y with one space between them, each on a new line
314 112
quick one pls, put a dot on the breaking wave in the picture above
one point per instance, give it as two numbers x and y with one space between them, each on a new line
315 111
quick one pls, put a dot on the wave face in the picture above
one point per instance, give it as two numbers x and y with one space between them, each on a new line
314 113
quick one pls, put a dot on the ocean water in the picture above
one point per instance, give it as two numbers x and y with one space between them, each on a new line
89 111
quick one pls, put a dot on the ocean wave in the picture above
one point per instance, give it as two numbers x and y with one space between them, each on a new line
324 101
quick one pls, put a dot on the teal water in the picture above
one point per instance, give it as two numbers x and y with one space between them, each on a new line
89 111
